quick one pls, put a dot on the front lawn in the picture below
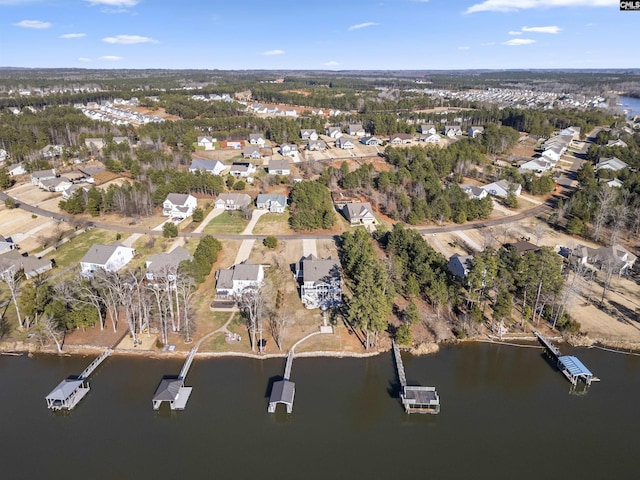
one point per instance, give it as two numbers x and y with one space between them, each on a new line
227 222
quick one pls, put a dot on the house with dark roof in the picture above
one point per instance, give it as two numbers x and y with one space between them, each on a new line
214 167
58 184
162 266
370 141
320 282
473 192
358 213
400 138
522 246
11 261
275 203
179 205
40 175
460 265
430 138
233 281
356 129
110 258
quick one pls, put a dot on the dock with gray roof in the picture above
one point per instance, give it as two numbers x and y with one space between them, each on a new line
283 391
415 399
571 367
172 389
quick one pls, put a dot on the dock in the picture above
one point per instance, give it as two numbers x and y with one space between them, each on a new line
415 399
68 393
283 391
571 367
172 389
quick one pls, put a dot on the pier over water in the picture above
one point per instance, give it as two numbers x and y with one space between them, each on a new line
415 399
571 367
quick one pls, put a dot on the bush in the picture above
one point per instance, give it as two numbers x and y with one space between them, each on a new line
403 335
169 230
198 215
270 242
10 203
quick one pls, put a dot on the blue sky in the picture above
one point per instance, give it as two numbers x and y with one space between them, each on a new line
318 34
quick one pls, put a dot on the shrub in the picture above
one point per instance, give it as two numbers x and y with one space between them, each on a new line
10 203
271 242
403 335
198 215
169 230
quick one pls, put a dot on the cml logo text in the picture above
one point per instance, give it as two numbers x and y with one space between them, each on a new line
629 5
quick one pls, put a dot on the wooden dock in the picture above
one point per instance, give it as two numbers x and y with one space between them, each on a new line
172 389
415 399
571 367
68 393
283 391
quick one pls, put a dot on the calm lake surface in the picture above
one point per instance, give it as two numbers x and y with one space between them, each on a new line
631 104
506 414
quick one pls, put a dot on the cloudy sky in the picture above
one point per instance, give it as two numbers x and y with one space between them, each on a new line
318 34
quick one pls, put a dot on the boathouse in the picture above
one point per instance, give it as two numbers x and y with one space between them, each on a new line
283 392
171 390
67 394
574 369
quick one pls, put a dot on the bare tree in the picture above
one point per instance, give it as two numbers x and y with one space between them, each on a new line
13 278
185 288
47 327
539 231
251 304
278 323
606 197
109 286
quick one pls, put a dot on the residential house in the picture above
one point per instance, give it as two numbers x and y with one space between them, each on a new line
334 113
615 256
522 246
400 138
308 134
11 261
316 145
208 143
119 140
97 143
90 173
58 184
553 154
257 139
537 165
242 169
68 193
452 131
501 188
320 282
616 143
233 281
428 129
231 144
344 143
356 129
613 164
334 132
160 266
179 205
358 213
573 132
3 155
279 167
612 183
251 151
275 203
473 192
40 175
6 244
215 167
475 131
317 111
460 265
51 151
17 169
430 138
232 201
289 149
110 258
370 141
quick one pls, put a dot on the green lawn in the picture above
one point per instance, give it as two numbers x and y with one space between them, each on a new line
273 224
227 222
72 252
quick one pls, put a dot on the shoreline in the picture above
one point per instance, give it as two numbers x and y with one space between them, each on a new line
612 345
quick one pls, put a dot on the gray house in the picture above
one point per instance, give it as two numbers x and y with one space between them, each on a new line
320 282
275 203
359 213
279 167
160 265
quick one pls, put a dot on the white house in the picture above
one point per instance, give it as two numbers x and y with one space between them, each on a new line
242 169
179 205
12 261
257 139
501 188
279 167
473 192
308 134
430 138
358 213
334 132
17 169
208 143
58 184
400 138
316 145
371 141
106 257
613 164
235 280
320 282
475 131
275 203
6 244
251 151
289 149
214 167
356 129
428 129
537 165
344 143
160 265
68 193
452 130
232 201
40 175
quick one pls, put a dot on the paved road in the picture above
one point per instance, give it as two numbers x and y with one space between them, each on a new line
532 212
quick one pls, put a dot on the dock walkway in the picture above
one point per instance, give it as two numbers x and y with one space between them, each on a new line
571 367
415 399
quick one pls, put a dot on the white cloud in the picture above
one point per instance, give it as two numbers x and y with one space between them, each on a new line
511 6
362 25
270 53
114 3
73 35
516 42
33 24
488 44
110 58
464 47
512 32
331 63
128 39
84 59
550 29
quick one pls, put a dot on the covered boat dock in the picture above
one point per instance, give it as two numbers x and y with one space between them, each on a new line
67 394
173 391
574 369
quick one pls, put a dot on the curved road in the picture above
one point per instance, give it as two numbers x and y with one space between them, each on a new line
532 212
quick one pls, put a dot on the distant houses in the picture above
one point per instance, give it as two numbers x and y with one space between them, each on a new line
110 258
320 282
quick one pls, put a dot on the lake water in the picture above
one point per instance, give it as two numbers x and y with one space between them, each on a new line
505 414
631 104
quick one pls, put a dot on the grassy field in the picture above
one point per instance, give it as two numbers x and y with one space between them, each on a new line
72 252
228 222
273 224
